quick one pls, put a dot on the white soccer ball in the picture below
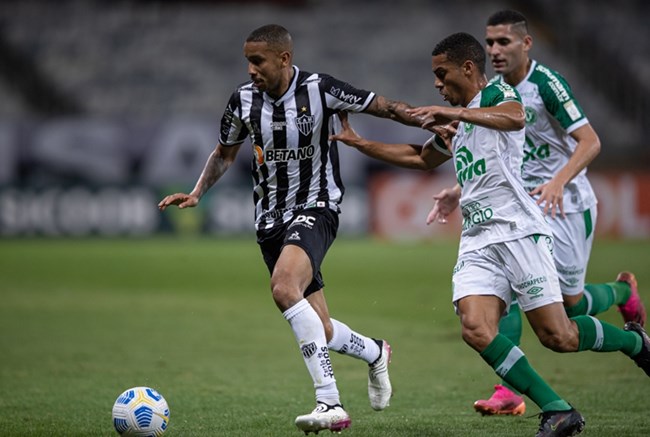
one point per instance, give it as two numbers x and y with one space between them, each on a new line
140 412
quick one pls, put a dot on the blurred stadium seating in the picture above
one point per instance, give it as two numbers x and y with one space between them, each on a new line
129 93
156 58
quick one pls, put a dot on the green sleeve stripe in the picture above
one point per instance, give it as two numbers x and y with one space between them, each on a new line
498 92
557 96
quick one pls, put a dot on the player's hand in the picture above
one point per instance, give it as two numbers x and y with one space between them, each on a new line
445 202
551 194
431 116
347 135
446 133
181 200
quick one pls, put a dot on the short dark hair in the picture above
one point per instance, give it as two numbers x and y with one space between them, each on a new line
508 17
274 35
460 47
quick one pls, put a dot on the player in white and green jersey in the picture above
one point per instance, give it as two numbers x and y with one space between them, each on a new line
560 143
506 245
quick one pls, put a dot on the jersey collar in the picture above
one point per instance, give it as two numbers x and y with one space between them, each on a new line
533 64
288 93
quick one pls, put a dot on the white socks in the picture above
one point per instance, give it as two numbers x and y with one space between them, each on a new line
346 341
310 335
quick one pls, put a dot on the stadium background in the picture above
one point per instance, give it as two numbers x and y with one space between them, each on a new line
107 105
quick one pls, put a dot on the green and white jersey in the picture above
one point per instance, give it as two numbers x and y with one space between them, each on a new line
494 203
552 113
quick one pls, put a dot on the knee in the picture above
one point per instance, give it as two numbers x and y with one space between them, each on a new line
476 335
559 341
284 293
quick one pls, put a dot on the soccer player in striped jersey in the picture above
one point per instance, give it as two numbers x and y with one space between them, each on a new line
506 244
288 115
560 143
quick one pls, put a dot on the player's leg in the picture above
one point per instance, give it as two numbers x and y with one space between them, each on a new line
376 353
505 400
293 255
510 362
624 293
530 270
341 338
573 241
480 310
538 297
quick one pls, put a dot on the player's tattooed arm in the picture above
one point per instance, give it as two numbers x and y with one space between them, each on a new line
395 110
218 162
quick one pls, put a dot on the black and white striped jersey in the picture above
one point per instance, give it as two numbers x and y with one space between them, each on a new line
294 165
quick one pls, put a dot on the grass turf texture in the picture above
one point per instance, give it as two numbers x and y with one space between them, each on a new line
81 321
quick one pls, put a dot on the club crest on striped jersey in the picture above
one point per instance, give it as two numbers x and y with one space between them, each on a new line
305 124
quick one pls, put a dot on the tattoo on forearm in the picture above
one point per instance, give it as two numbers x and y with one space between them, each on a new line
214 169
396 110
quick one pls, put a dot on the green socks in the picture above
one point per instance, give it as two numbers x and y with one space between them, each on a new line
600 336
599 298
510 363
510 326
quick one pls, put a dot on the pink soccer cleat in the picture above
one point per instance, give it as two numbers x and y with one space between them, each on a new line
632 310
503 401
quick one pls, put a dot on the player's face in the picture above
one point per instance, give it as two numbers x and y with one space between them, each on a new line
265 66
507 48
450 80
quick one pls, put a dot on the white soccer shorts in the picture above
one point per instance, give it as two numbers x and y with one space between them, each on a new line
573 237
523 267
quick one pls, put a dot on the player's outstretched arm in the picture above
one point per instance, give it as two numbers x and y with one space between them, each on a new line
397 111
402 155
507 116
551 194
217 164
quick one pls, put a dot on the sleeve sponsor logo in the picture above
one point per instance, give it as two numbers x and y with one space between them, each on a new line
227 121
572 110
508 92
555 84
350 98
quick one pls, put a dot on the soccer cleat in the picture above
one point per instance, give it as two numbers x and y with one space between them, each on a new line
642 359
560 423
503 401
332 417
379 388
632 310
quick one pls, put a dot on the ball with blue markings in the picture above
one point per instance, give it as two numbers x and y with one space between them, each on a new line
140 412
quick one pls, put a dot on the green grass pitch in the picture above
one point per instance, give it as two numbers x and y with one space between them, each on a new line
82 320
